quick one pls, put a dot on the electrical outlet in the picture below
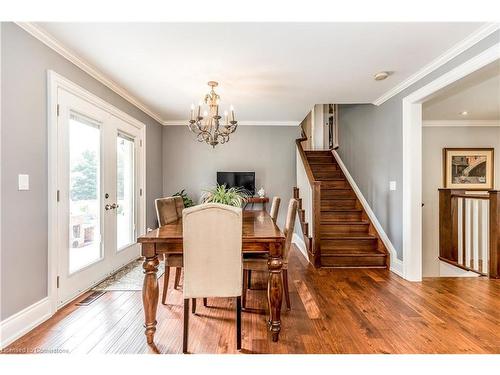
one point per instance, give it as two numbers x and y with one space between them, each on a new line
392 185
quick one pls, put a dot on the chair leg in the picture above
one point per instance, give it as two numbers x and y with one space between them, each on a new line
193 307
186 326
245 287
285 287
205 302
166 277
177 277
238 323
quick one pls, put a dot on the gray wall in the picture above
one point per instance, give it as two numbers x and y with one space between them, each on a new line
267 150
371 147
434 139
24 62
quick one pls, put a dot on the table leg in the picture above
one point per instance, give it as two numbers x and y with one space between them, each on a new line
150 294
275 293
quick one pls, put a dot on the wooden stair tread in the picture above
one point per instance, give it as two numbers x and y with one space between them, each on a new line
342 222
342 209
348 236
353 254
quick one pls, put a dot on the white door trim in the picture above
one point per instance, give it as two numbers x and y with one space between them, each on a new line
55 82
412 158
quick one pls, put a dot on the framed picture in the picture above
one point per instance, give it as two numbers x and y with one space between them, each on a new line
468 168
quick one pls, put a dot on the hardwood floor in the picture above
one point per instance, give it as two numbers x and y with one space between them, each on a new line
333 311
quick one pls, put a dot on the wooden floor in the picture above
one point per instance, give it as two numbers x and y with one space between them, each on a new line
333 311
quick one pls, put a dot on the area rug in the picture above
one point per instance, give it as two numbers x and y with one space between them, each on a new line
128 278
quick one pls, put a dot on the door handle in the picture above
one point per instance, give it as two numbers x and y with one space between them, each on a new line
107 207
114 205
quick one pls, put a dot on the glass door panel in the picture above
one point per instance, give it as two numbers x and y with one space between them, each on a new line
125 192
84 192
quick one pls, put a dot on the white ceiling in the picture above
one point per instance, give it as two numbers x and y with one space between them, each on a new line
478 94
269 71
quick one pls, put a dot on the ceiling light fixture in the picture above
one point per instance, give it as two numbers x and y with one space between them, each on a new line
464 113
208 127
380 76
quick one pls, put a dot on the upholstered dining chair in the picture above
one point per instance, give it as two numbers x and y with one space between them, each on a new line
259 262
212 241
275 207
169 210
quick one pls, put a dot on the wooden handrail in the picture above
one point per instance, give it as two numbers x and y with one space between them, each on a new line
303 157
316 201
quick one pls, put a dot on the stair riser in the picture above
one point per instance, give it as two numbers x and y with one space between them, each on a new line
324 167
332 194
341 216
340 184
338 203
344 228
346 245
347 261
328 174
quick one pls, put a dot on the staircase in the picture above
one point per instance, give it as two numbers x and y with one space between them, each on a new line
347 238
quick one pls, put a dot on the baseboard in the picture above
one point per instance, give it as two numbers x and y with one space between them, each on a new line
448 270
396 264
24 321
301 245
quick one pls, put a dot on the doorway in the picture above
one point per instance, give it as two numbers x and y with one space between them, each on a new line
98 172
412 158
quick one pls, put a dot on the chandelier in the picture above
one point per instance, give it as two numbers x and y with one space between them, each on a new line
209 128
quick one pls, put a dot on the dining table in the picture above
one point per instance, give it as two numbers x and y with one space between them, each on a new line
260 235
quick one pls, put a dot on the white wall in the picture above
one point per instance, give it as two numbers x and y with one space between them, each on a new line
434 139
267 150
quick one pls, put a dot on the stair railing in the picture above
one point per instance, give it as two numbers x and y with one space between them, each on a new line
310 191
469 230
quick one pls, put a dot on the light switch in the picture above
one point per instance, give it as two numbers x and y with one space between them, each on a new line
392 185
24 181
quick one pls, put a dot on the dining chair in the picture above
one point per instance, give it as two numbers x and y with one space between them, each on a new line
259 262
213 267
275 207
169 210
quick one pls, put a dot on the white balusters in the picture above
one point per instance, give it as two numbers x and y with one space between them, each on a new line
472 233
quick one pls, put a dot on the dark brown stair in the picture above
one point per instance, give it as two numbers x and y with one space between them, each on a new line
347 237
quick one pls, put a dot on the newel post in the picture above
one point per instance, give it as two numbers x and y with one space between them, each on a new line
494 255
447 249
316 212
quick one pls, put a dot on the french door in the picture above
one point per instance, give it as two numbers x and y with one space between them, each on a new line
98 193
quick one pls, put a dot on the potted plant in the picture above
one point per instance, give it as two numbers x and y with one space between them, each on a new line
234 196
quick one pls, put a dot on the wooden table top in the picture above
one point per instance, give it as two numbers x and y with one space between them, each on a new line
257 227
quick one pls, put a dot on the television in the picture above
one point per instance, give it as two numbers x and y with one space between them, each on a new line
244 180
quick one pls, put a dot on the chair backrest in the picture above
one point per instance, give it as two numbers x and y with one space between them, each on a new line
275 207
212 240
169 209
289 225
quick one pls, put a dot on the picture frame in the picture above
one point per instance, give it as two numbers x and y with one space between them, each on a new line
468 168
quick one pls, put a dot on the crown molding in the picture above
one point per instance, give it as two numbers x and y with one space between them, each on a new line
450 54
241 123
77 60
461 123
72 57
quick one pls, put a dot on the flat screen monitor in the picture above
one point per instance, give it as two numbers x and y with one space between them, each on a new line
245 180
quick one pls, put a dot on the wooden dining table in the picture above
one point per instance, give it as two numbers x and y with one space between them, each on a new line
260 236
